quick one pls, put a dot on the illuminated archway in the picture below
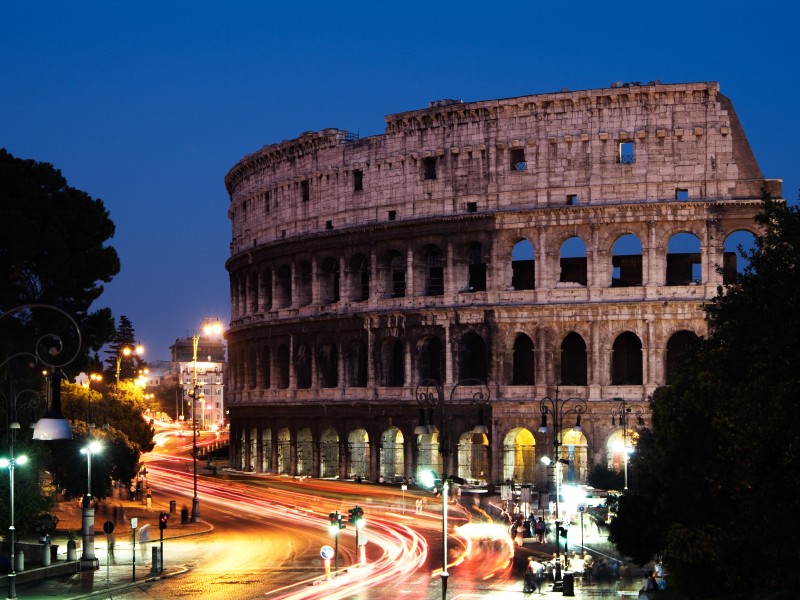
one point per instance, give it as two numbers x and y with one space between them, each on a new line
519 456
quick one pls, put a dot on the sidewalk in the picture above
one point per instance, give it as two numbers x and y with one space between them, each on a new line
64 579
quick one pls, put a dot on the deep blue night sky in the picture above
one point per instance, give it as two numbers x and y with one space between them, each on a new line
148 104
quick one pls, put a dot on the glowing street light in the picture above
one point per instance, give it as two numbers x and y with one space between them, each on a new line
127 351
620 414
88 559
208 327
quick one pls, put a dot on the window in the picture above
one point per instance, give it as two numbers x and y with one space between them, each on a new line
572 199
358 180
266 201
518 159
472 207
429 167
328 224
392 215
305 190
627 153
681 194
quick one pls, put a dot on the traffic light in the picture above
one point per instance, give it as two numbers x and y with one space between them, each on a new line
162 520
356 516
562 532
337 522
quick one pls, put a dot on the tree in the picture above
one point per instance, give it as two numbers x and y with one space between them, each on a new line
52 251
718 477
124 336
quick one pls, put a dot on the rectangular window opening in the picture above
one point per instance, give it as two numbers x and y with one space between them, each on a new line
305 190
572 199
627 153
358 180
429 167
681 194
518 159
328 224
392 215
472 207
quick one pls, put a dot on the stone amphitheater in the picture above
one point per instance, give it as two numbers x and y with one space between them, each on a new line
474 272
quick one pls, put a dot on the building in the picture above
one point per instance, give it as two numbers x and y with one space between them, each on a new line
210 372
559 243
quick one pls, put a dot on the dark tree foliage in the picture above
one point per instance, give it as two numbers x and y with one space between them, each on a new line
718 477
52 251
603 478
124 336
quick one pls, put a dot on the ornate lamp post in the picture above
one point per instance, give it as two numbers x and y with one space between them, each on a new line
127 351
558 408
196 393
88 559
435 409
620 414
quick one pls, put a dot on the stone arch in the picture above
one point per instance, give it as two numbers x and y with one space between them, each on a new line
396 274
304 281
359 278
678 346
392 458
519 456
284 448
329 281
684 259
302 365
473 459
575 450
574 361
283 286
430 359
392 363
305 453
266 288
476 268
282 367
358 451
626 359
328 367
733 261
428 457
329 453
572 256
524 361
523 266
626 261
473 360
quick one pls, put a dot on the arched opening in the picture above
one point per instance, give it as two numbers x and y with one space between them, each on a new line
305 453
328 366
428 457
678 345
476 264
523 266
329 281
626 360
431 359
266 362
266 288
358 449
434 284
736 258
253 454
573 261
392 363
284 448
284 286
359 278
392 463
282 362
574 450
357 365
266 451
303 367
573 360
519 456
683 260
329 454
473 360
252 293
473 460
524 362
304 283
397 275
626 261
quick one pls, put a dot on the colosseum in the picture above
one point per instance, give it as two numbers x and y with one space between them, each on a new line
477 271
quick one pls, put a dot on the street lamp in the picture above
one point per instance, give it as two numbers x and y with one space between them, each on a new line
620 414
127 351
92 377
10 463
88 559
209 326
434 408
558 408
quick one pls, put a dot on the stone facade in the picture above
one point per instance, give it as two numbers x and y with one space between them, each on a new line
530 242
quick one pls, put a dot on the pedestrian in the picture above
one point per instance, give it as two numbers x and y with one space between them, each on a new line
540 528
529 578
649 588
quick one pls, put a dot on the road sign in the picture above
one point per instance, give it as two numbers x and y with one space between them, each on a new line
581 508
108 527
134 522
326 552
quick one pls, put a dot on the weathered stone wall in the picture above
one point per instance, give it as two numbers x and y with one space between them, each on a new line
324 227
